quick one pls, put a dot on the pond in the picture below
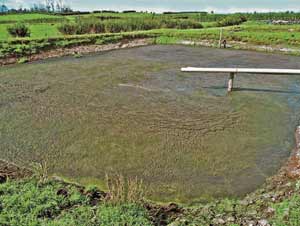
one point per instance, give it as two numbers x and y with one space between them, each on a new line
133 112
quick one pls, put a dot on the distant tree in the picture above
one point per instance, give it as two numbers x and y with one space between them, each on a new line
3 7
48 5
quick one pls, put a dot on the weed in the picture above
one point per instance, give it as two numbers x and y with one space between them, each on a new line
40 171
23 60
121 190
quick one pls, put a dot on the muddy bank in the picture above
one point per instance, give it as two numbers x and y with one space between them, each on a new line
292 168
77 51
86 49
244 46
9 170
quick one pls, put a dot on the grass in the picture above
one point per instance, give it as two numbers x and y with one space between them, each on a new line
29 202
251 32
287 212
11 18
44 31
52 203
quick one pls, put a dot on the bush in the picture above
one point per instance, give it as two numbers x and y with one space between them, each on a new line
68 28
19 30
94 25
232 20
182 24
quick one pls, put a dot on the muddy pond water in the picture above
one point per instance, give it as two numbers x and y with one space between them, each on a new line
133 112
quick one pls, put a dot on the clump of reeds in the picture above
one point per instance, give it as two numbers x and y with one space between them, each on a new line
124 190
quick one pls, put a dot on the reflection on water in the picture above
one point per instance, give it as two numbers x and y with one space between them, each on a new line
133 112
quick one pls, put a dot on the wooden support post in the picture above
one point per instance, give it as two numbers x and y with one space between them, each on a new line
221 37
230 81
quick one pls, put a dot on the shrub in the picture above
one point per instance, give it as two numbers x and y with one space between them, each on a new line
68 28
232 20
19 30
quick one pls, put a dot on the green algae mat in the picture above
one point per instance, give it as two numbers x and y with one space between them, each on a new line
134 113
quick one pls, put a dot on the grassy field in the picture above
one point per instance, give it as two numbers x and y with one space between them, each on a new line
46 35
250 32
26 17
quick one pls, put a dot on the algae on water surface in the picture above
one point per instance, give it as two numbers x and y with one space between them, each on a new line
133 112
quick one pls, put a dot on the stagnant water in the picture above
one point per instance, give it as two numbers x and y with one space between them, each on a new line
133 112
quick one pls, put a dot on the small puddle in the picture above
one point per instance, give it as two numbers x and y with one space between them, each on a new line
133 112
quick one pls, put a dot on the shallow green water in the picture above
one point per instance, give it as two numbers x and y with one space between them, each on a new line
133 112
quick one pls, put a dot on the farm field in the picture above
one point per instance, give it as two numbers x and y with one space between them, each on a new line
45 31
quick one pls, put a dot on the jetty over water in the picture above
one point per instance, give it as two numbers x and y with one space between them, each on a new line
233 71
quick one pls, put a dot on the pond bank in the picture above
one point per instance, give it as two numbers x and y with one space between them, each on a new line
76 51
243 46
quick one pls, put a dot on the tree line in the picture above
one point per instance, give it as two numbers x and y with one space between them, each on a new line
49 6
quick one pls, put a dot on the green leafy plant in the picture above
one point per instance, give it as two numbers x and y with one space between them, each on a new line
23 60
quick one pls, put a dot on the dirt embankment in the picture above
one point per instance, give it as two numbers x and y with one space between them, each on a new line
244 46
78 50
293 165
85 49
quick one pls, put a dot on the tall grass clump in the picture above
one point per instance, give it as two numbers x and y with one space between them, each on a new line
124 190
94 25
40 171
19 30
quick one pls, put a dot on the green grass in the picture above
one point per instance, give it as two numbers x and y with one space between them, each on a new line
37 31
252 32
28 202
25 17
287 212
44 31
4 35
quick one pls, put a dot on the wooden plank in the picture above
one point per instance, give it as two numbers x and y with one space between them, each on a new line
243 70
230 82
